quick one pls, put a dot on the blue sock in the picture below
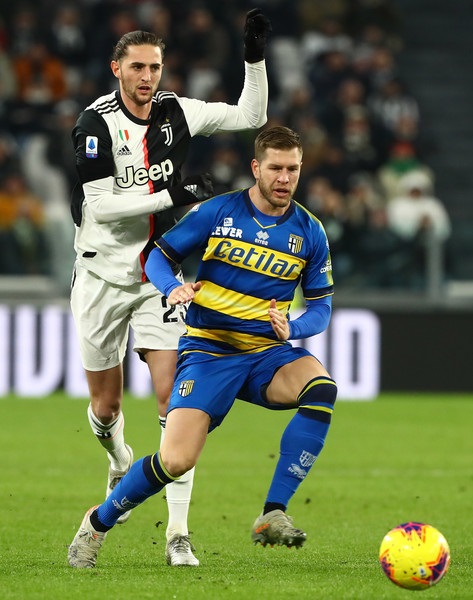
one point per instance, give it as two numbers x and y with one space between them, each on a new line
146 477
302 440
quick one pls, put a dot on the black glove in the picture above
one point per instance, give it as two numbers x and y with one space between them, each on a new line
257 28
195 188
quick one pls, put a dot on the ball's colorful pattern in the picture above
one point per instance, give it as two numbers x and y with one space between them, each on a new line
414 555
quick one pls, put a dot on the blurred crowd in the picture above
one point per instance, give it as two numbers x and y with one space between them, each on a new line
334 78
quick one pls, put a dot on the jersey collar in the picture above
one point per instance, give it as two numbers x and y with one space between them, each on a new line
127 113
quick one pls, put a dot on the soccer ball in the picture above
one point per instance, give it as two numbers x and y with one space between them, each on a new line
414 555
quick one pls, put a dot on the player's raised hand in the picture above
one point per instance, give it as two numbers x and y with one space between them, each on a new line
279 321
255 36
183 293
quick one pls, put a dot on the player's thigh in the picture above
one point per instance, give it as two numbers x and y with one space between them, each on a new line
278 376
101 315
186 432
156 325
162 366
291 378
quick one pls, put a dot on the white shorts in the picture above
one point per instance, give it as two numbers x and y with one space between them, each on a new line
103 313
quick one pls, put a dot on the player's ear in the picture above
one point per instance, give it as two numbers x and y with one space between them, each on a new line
115 66
255 168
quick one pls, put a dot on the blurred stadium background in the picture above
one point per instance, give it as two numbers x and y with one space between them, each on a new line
381 92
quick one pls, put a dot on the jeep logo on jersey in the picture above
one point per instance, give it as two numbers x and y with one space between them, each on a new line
142 175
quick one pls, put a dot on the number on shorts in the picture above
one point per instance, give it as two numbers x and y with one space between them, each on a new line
168 315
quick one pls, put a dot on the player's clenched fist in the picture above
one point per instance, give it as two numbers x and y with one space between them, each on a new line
257 29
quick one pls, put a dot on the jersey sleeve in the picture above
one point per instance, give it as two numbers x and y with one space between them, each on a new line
317 280
313 321
159 271
317 286
205 118
190 233
93 147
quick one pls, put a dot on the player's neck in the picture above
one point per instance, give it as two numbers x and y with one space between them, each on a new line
264 206
139 111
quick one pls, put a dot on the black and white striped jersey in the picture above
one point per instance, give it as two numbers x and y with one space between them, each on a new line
126 164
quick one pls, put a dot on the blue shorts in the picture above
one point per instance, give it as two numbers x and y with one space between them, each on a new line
212 383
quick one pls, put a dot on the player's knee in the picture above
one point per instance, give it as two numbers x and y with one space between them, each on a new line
177 464
317 399
105 413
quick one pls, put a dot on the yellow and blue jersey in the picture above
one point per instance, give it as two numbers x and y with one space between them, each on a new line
248 258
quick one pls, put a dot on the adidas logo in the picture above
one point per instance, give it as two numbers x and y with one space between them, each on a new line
124 151
191 188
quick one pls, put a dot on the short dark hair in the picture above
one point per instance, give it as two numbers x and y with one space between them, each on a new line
279 137
136 38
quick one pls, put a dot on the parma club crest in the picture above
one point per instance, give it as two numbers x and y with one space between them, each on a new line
295 243
185 387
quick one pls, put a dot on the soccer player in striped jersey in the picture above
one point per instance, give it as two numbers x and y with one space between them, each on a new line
130 148
257 245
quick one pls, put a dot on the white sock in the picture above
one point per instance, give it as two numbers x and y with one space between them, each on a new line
178 497
111 437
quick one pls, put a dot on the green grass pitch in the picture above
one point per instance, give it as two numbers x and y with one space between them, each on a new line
399 458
